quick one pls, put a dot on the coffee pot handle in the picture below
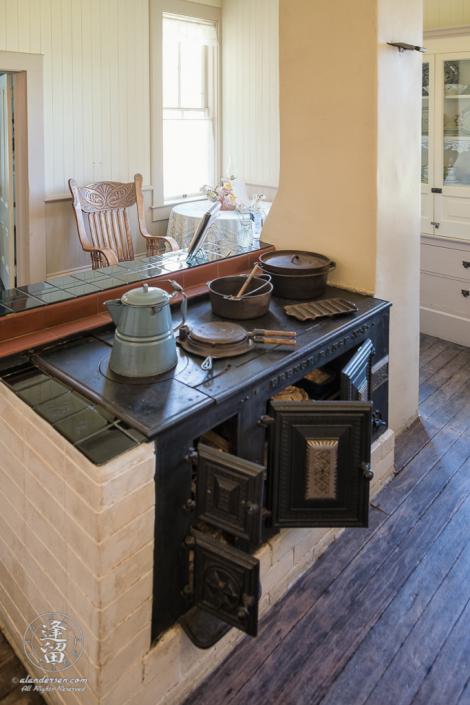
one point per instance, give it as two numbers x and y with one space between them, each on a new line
184 306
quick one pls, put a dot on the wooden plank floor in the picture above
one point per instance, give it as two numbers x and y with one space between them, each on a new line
11 671
384 617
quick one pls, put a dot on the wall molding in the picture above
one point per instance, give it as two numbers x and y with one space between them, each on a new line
259 185
29 128
446 32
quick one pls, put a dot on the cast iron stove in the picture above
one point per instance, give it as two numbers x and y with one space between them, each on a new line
316 472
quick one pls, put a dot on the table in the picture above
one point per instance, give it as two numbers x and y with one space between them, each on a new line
185 218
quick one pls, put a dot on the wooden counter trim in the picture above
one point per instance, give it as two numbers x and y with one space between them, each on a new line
20 331
31 340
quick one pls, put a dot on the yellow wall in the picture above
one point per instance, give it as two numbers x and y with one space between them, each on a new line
349 179
446 13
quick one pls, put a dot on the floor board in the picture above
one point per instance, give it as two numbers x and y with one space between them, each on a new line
384 616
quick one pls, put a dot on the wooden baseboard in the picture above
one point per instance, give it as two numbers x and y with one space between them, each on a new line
447 326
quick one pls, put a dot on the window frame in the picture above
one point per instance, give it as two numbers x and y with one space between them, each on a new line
161 208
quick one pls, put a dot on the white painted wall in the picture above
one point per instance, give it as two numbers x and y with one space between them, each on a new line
250 90
446 13
97 102
96 99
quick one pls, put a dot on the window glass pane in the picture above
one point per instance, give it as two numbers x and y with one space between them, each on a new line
188 134
457 123
188 156
170 73
192 75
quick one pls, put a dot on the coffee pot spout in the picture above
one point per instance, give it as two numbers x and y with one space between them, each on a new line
114 307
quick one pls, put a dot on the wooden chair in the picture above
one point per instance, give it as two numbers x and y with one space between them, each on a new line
105 205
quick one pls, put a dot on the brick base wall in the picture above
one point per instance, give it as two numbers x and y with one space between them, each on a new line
78 538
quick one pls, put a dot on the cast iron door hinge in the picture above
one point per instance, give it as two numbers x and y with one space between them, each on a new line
229 493
317 455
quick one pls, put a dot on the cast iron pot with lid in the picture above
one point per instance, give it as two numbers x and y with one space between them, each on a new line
296 274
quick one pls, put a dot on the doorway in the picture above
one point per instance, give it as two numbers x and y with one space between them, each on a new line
7 185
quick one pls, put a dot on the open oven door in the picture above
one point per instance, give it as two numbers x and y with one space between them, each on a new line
318 463
357 375
226 583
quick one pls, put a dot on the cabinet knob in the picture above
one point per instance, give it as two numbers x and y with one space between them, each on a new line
436 225
466 265
465 293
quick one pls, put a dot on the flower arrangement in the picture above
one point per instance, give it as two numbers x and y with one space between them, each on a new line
254 207
223 193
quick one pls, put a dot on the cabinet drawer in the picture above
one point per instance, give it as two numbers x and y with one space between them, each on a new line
443 260
446 293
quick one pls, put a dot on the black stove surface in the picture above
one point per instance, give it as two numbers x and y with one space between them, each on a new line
186 390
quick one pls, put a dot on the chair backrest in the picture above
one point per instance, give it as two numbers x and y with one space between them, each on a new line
105 205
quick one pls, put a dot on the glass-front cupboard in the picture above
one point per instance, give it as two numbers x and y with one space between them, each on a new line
445 145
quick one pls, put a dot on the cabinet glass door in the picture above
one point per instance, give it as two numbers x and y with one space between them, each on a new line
452 145
427 122
425 125
456 123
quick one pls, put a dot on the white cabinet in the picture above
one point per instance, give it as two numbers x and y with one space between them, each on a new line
445 288
445 191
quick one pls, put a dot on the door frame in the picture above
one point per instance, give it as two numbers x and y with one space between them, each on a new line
28 92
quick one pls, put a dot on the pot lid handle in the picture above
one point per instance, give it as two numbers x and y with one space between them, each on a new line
145 287
295 259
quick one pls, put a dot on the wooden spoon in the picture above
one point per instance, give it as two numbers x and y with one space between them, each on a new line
255 269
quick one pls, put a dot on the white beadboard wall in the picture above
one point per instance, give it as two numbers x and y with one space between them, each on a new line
97 107
96 85
250 91
446 13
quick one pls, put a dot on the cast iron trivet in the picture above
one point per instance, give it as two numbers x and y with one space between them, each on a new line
320 309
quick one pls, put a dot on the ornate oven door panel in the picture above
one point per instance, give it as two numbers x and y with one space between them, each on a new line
230 493
356 384
226 583
319 463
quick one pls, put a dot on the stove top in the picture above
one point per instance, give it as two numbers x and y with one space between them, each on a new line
152 406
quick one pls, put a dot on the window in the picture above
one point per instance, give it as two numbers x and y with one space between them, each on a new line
189 114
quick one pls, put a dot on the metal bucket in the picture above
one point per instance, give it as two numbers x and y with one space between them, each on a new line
254 302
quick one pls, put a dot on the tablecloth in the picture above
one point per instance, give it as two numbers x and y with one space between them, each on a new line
185 218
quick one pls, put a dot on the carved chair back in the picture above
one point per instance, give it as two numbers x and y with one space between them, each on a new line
105 205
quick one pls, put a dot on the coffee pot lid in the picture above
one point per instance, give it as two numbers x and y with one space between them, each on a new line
145 296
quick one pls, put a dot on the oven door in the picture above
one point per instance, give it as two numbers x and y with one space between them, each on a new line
226 583
229 493
318 463
356 376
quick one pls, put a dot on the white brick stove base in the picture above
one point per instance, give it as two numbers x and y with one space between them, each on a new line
78 539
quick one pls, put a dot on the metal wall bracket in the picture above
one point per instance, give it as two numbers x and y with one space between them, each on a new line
402 46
